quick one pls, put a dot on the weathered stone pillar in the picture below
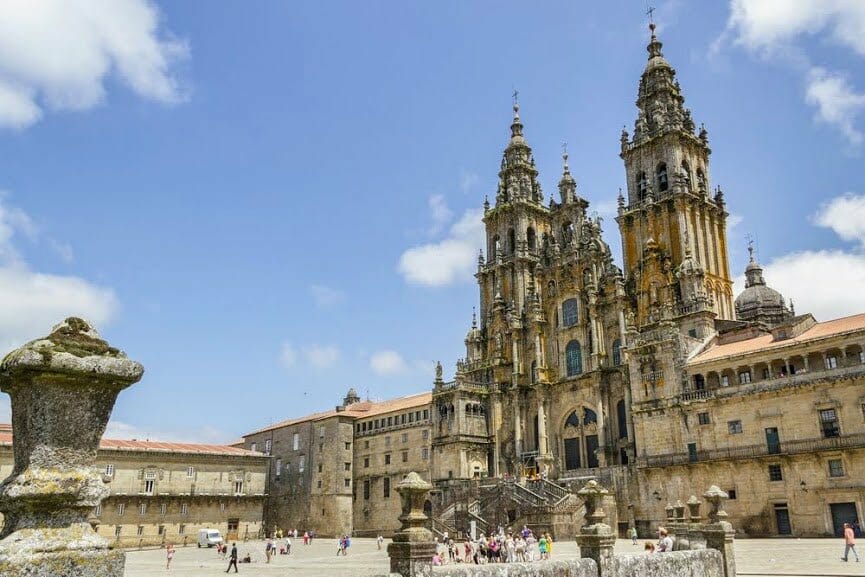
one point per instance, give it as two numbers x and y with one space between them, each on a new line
718 532
413 547
596 538
63 389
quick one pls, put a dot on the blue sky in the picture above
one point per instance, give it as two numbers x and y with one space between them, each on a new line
268 204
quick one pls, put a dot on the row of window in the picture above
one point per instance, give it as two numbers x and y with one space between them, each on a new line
385 488
835 469
392 421
109 472
828 420
662 179
142 509
424 455
745 377
118 530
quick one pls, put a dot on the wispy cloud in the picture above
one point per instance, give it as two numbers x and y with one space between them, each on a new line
774 28
321 356
440 213
58 56
450 260
387 363
325 296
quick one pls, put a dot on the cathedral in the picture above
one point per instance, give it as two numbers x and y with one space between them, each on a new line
650 379
577 369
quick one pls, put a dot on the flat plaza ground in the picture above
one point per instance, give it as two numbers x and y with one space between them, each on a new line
777 557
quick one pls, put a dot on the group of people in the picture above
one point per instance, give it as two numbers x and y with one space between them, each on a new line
343 545
500 547
664 544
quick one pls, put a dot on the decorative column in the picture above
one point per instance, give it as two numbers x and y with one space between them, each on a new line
413 547
63 389
596 538
718 532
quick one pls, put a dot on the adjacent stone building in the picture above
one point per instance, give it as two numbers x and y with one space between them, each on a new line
165 492
334 472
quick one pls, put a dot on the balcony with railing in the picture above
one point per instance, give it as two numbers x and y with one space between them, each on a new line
796 447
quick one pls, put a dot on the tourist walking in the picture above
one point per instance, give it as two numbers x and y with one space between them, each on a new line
634 535
849 542
169 555
268 549
232 558
379 540
288 544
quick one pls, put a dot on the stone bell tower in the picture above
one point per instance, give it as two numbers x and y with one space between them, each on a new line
673 225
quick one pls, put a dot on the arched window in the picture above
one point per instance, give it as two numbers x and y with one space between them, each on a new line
589 416
701 180
512 243
573 420
617 353
662 177
569 312
531 239
622 419
642 185
494 248
686 169
574 358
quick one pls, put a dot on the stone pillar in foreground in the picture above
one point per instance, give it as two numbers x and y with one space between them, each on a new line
719 532
63 389
413 547
596 538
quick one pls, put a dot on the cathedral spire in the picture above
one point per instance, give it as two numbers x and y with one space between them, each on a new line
518 175
567 184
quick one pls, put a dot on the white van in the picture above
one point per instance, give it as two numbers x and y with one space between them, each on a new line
209 537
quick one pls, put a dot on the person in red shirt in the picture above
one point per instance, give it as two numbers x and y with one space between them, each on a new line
849 542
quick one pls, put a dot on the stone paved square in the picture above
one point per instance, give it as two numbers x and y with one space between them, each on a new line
777 557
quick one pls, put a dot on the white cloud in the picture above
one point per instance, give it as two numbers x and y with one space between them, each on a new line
321 356
287 355
845 215
325 296
771 27
825 283
32 302
733 221
771 24
468 180
451 260
57 55
837 102
439 212
387 363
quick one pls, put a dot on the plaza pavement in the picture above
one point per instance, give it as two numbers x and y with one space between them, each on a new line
776 557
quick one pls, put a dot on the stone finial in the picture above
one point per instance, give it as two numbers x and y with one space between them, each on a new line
679 509
593 495
63 388
413 492
670 511
694 509
413 547
716 497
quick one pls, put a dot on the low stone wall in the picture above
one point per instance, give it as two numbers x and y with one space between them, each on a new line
702 563
554 568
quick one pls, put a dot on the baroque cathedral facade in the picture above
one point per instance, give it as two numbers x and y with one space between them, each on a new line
563 333
649 378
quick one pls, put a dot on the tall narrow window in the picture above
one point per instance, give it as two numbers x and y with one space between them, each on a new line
386 487
642 185
512 242
295 443
574 358
570 312
686 170
617 353
829 423
621 417
662 177
531 238
278 468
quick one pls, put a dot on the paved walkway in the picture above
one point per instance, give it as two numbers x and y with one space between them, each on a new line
776 557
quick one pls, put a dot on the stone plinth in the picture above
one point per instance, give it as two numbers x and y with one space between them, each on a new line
413 547
596 539
63 389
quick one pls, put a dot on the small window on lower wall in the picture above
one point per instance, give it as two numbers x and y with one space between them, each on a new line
731 493
734 427
775 473
836 468
703 418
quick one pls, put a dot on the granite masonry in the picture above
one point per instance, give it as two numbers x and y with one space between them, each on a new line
63 388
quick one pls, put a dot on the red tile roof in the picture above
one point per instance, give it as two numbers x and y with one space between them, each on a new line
151 446
357 411
762 343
